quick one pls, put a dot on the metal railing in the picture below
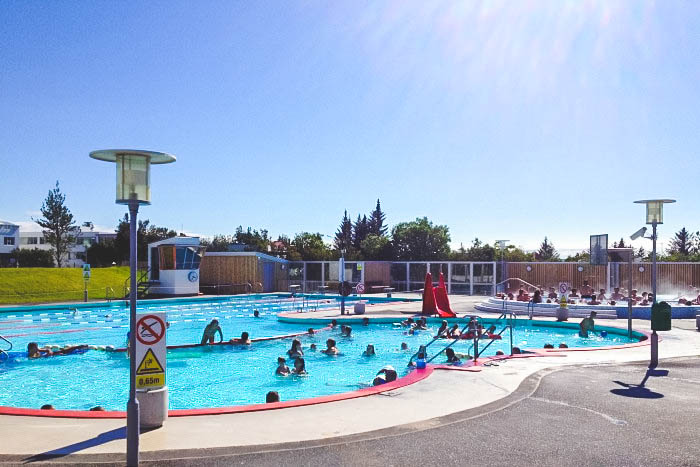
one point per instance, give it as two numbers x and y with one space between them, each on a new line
4 351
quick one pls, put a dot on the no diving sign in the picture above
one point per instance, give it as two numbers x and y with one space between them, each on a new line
150 351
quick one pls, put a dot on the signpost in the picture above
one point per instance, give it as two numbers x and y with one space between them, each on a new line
86 279
150 358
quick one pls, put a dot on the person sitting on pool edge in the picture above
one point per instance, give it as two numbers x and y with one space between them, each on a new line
552 293
272 397
244 339
210 331
296 350
299 366
537 297
369 352
587 324
282 368
330 349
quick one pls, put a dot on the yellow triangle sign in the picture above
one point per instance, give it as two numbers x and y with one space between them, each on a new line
149 365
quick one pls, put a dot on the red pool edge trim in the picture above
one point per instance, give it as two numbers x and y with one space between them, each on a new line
411 378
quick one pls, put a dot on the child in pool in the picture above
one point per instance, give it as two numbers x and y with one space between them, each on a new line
296 350
369 352
299 366
282 368
330 349
244 340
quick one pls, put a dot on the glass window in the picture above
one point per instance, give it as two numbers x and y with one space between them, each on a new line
32 240
9 240
42 240
180 258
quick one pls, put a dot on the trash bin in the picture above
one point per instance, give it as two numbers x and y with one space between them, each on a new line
661 317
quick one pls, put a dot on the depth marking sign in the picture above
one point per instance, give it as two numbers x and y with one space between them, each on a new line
150 351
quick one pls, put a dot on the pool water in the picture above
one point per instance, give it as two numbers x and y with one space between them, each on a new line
219 376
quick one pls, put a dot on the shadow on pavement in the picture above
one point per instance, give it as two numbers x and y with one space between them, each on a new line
640 391
117 433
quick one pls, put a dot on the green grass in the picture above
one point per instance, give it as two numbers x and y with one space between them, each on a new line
45 285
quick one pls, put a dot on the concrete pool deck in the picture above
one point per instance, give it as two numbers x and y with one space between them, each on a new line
443 393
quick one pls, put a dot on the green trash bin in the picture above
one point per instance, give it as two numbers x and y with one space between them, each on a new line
661 316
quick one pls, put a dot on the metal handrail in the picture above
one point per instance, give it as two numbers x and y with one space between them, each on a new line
109 294
4 351
507 326
454 341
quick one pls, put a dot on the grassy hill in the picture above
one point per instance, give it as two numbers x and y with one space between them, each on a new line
43 285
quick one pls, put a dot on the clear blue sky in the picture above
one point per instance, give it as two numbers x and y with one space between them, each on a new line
500 119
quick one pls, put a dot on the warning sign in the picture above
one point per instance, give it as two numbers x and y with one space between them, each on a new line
150 351
149 364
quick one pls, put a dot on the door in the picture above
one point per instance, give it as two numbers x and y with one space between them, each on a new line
155 264
268 277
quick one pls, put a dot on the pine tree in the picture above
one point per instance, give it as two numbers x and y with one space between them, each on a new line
59 227
620 244
343 237
360 232
547 252
376 221
683 243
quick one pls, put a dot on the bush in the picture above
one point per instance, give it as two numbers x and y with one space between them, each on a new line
34 258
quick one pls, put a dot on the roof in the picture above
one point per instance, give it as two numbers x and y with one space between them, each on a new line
261 256
186 241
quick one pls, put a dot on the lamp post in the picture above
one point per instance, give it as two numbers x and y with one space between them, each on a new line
655 216
133 189
342 280
502 246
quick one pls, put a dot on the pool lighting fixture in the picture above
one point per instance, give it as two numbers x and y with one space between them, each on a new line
655 216
133 189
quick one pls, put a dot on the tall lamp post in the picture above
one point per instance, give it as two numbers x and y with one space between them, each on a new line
655 216
502 246
133 189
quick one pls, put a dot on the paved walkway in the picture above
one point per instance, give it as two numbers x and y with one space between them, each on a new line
415 407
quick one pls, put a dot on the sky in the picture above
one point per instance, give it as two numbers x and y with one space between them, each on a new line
500 119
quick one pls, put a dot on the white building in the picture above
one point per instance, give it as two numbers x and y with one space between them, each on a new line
9 241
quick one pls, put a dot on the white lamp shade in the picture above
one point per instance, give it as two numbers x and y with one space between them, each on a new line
133 179
655 212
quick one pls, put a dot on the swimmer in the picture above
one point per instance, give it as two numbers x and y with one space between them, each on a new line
499 352
34 351
47 407
210 331
312 348
369 352
404 346
443 330
296 349
272 397
346 331
299 366
516 351
388 373
256 313
311 331
365 321
422 324
563 346
451 357
407 323
97 408
454 332
282 368
548 346
587 324
330 349
244 340
334 323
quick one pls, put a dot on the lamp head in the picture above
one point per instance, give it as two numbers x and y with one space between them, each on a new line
655 209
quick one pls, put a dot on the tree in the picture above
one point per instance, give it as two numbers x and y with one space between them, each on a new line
513 253
343 237
580 257
682 244
376 221
477 252
547 252
219 243
145 234
252 239
360 232
103 253
377 248
34 258
59 227
620 244
420 240
310 247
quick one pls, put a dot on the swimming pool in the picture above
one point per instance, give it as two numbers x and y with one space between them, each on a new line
221 376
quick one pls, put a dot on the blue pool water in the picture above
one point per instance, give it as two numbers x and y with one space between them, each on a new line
220 375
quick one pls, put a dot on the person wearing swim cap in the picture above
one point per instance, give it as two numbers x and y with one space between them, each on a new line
210 332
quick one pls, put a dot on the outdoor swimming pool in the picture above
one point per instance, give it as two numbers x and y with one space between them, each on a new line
219 376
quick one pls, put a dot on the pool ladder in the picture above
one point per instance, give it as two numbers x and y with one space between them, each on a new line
4 351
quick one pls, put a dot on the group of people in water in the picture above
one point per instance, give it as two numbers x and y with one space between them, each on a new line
586 294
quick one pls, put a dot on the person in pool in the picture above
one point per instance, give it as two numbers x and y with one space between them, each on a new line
334 323
282 368
422 324
404 346
299 366
311 331
587 324
210 331
586 290
272 397
369 352
385 375
616 295
256 314
330 349
244 340
34 351
443 329
346 331
451 356
407 323
365 321
312 347
296 350
454 333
